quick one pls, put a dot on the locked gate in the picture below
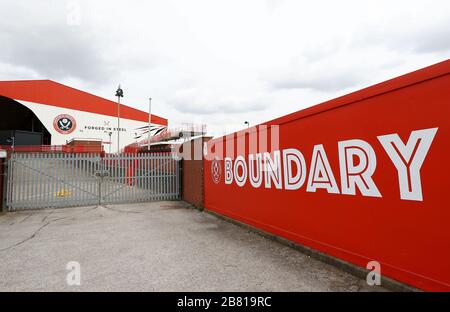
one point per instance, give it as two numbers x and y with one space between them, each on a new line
43 180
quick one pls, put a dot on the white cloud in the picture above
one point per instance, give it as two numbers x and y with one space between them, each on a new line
222 62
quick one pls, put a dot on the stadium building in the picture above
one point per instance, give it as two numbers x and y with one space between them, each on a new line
44 112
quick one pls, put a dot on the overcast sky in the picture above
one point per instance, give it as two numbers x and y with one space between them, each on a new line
221 62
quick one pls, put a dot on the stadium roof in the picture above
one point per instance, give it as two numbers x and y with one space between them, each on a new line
52 93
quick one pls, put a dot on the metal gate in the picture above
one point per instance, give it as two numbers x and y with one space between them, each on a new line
43 180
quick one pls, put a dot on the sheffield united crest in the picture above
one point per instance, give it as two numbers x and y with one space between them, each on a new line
64 124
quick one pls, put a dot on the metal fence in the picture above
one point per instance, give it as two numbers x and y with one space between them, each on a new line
43 180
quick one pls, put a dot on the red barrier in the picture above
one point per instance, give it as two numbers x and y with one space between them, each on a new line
363 177
54 149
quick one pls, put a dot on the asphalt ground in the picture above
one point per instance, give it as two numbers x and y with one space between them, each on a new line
164 246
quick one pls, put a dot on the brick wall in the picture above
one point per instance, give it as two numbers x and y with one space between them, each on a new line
2 167
192 182
192 173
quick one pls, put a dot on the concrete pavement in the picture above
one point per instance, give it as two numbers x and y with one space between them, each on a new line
162 246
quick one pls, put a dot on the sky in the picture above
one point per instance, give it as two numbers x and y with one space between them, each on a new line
224 62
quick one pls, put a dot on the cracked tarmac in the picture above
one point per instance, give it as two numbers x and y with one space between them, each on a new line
165 246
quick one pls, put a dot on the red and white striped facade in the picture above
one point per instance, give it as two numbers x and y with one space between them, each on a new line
87 116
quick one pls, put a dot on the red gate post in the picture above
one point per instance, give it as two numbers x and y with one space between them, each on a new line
192 171
3 177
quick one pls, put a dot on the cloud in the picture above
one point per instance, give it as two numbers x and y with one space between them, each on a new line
16 72
222 62
422 28
194 101
321 81
41 39
328 73
434 38
52 51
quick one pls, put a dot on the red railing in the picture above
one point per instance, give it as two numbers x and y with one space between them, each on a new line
53 149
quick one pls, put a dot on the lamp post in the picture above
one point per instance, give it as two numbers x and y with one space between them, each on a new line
149 121
11 140
119 94
247 124
110 141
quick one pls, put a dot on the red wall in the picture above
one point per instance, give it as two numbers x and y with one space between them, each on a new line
410 238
